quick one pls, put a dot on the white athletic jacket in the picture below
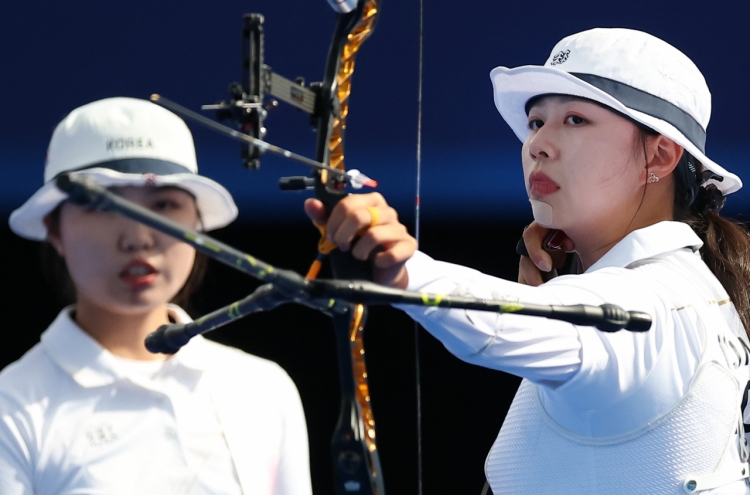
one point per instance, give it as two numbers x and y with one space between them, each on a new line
643 413
211 420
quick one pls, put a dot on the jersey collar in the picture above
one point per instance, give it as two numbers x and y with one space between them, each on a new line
649 242
91 365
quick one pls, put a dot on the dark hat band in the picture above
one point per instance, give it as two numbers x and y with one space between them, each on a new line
138 166
650 105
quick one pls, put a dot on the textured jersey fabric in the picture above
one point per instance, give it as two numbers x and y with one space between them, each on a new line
213 420
590 384
532 453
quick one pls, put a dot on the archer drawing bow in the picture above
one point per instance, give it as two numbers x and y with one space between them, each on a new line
343 300
355 455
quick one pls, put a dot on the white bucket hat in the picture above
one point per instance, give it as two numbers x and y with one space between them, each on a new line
630 71
123 142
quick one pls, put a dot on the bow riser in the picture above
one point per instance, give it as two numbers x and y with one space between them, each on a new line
355 457
344 81
354 451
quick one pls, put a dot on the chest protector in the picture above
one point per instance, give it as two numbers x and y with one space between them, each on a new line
699 444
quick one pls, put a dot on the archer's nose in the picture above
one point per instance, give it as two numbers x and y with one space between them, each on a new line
135 237
542 144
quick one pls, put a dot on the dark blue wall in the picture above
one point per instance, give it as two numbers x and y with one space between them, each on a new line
58 55
55 56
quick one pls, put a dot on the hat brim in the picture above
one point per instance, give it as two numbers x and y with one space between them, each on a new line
513 88
215 204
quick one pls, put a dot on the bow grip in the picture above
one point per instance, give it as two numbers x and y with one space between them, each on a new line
343 264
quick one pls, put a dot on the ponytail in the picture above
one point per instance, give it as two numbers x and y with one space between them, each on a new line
726 243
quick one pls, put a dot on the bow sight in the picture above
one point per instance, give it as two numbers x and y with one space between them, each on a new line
259 92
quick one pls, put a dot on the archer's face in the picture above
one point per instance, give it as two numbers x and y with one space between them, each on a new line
580 159
119 265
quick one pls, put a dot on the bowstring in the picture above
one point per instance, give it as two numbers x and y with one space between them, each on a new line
417 205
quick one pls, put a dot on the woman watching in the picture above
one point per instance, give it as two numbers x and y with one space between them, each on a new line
88 409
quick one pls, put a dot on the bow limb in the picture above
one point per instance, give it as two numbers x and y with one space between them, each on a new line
355 456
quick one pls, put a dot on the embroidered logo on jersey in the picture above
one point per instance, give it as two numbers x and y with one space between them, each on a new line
561 57
100 434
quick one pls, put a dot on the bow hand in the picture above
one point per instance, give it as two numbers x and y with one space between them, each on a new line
368 228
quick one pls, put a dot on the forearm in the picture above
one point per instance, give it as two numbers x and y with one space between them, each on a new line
539 349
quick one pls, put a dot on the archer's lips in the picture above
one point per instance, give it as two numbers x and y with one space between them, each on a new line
541 185
139 274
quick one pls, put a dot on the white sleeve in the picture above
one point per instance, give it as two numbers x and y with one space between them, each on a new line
15 459
293 476
547 352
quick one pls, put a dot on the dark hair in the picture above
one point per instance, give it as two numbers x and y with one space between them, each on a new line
56 271
726 249
726 243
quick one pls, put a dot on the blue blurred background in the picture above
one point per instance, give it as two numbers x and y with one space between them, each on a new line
58 55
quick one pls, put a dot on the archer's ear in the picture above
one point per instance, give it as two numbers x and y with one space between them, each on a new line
665 155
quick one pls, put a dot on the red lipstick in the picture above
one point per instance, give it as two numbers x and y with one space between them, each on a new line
541 185
139 274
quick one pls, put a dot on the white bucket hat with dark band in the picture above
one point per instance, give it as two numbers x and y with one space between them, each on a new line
123 142
630 71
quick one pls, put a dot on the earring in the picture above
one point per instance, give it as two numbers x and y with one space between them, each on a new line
652 178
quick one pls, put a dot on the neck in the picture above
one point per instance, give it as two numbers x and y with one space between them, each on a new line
121 334
593 242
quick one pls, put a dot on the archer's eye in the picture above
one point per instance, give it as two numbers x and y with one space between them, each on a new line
166 205
575 120
535 124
